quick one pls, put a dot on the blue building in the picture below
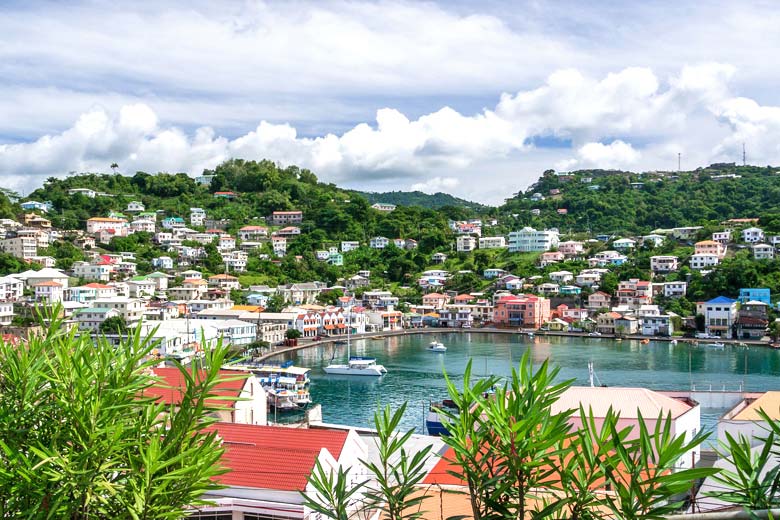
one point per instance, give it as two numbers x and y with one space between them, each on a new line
755 294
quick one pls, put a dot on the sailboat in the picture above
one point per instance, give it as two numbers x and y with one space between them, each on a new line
356 365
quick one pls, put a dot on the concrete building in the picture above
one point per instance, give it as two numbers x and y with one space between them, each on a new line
663 263
284 218
492 242
466 244
530 240
720 315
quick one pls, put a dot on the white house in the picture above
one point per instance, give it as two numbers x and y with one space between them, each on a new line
529 239
663 263
675 289
763 252
704 261
381 206
135 206
163 262
197 216
719 316
465 244
349 245
631 404
49 292
378 243
492 242
624 244
752 235
11 289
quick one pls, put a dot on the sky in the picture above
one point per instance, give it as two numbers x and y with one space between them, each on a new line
476 99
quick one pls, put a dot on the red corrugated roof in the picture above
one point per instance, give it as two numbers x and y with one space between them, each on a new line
171 391
273 457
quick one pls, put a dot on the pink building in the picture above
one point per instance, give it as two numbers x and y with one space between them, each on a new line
551 257
634 293
522 311
710 247
571 248
437 300
119 226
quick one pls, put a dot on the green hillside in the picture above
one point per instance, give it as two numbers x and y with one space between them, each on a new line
628 203
418 198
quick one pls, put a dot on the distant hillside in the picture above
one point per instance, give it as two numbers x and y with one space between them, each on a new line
418 198
615 201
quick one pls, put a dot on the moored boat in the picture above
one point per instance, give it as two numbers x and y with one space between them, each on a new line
437 346
434 421
357 366
715 344
286 385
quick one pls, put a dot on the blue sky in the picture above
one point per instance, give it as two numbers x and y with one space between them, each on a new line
387 95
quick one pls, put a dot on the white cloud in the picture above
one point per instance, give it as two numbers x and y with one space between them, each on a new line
614 155
626 119
436 184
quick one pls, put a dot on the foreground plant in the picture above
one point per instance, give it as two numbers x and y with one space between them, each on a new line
81 441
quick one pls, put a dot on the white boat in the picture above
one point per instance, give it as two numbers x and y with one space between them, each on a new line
673 342
285 385
715 344
437 346
356 365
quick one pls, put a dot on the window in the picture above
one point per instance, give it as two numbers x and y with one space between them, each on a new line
213 515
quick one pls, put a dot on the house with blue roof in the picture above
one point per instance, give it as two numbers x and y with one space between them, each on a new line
720 315
760 294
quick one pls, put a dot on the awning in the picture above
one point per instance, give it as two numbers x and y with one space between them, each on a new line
341 326
330 327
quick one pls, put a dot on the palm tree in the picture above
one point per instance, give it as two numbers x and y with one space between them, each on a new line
114 166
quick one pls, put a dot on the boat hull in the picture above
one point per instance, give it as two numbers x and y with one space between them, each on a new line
345 370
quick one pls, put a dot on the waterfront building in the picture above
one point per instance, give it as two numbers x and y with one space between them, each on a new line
720 315
527 311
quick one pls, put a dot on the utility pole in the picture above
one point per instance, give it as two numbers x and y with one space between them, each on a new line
678 161
744 157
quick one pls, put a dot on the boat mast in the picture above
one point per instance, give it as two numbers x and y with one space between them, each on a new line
349 329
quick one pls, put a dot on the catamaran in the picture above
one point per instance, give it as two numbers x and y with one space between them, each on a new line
356 365
437 346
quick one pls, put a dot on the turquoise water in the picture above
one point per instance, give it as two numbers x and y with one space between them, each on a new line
416 376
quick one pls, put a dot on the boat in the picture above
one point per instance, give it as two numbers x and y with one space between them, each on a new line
437 346
673 342
645 341
715 344
355 365
434 421
285 385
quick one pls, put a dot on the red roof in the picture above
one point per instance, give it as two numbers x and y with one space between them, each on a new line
273 457
95 285
48 284
170 392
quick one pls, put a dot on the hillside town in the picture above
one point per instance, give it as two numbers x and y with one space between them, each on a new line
564 292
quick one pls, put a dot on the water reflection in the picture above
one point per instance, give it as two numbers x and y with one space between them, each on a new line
416 375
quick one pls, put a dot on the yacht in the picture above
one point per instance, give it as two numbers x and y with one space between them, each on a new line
715 344
437 346
286 386
356 365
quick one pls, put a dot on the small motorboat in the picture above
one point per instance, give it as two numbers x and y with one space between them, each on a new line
715 344
645 341
673 342
437 346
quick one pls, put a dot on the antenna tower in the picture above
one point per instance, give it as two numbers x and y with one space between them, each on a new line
744 157
678 161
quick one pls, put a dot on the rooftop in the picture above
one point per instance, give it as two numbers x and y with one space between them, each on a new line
769 402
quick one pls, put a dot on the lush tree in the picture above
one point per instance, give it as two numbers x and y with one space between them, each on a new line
114 325
81 441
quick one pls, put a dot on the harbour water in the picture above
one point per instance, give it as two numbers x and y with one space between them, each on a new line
415 375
